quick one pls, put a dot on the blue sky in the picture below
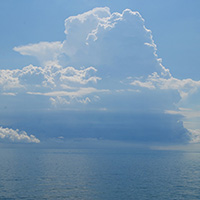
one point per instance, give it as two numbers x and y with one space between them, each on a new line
100 63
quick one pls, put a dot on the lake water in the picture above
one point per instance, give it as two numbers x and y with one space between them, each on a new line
99 174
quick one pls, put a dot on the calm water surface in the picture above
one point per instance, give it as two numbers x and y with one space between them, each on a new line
97 174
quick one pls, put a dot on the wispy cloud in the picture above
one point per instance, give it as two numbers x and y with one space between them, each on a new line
79 93
45 52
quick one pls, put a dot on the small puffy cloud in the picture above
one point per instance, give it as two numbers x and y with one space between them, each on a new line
9 80
16 136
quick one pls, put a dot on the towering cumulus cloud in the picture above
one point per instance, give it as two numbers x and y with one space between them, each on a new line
107 73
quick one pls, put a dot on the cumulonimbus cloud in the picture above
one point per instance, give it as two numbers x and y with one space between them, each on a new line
108 60
99 38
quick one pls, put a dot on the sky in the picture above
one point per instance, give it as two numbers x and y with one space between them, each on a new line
99 70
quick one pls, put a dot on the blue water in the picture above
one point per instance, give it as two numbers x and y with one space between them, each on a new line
99 174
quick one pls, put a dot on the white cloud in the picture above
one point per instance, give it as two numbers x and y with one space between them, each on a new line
186 112
44 51
185 86
9 80
59 101
195 135
79 93
108 41
86 24
146 84
17 136
9 94
71 74
37 80
84 101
